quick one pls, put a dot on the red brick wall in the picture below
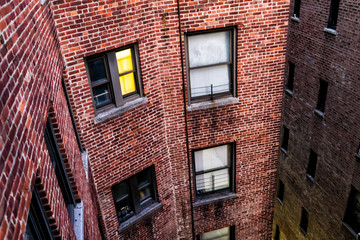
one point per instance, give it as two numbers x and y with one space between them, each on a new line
31 69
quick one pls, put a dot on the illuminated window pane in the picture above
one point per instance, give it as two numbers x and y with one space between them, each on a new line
127 83
124 61
219 234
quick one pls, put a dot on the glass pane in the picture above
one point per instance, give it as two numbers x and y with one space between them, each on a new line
144 185
121 191
124 210
211 158
101 94
145 193
209 48
127 83
212 181
124 61
97 70
219 234
201 80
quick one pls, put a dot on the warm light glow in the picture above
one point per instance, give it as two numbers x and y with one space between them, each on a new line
124 61
127 83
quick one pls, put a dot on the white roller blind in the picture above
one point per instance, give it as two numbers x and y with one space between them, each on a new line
212 158
219 234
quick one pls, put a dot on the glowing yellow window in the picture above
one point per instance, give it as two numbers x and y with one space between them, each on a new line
126 71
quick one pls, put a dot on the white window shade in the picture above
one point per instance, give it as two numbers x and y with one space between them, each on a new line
219 234
212 158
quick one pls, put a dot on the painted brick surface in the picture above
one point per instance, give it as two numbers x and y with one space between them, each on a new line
335 138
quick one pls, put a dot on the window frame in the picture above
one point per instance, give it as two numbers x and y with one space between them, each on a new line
304 221
297 6
312 164
134 198
291 75
333 14
117 99
349 206
322 95
232 233
285 139
232 167
281 192
233 64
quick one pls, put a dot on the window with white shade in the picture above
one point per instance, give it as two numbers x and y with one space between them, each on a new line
210 61
226 233
213 169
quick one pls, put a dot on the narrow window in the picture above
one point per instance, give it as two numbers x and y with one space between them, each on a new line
297 9
213 169
290 83
304 220
333 15
352 212
284 145
223 233
280 195
277 233
322 96
310 173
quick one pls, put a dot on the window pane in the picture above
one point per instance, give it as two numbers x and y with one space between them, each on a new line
213 181
122 201
127 83
352 214
203 78
97 70
124 61
219 234
144 185
212 158
210 48
101 94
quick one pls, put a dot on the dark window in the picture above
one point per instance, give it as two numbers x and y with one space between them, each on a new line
333 15
352 213
297 8
59 168
277 233
211 62
37 226
290 82
135 194
281 190
312 165
322 96
223 233
285 140
304 220
213 169
114 76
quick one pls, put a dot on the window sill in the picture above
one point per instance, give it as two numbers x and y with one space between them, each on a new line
214 198
284 150
356 235
295 19
319 113
357 157
308 176
110 113
331 31
212 104
289 92
281 202
143 214
303 231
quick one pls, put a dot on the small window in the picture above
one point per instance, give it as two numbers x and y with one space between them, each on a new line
114 76
322 96
285 141
226 233
277 233
304 220
312 165
352 213
280 195
211 64
297 8
290 82
213 169
135 194
333 15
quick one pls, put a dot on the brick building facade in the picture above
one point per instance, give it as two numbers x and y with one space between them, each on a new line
319 165
147 134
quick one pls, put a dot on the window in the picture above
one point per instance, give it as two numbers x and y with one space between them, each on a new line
285 142
310 173
135 194
277 233
304 220
213 169
61 175
226 233
280 195
290 83
333 15
37 226
211 61
297 9
352 213
322 96
114 76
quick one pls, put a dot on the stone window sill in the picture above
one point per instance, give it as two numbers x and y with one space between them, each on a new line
310 177
284 150
212 104
214 198
319 113
356 235
280 201
331 31
289 92
295 19
112 112
303 231
142 215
